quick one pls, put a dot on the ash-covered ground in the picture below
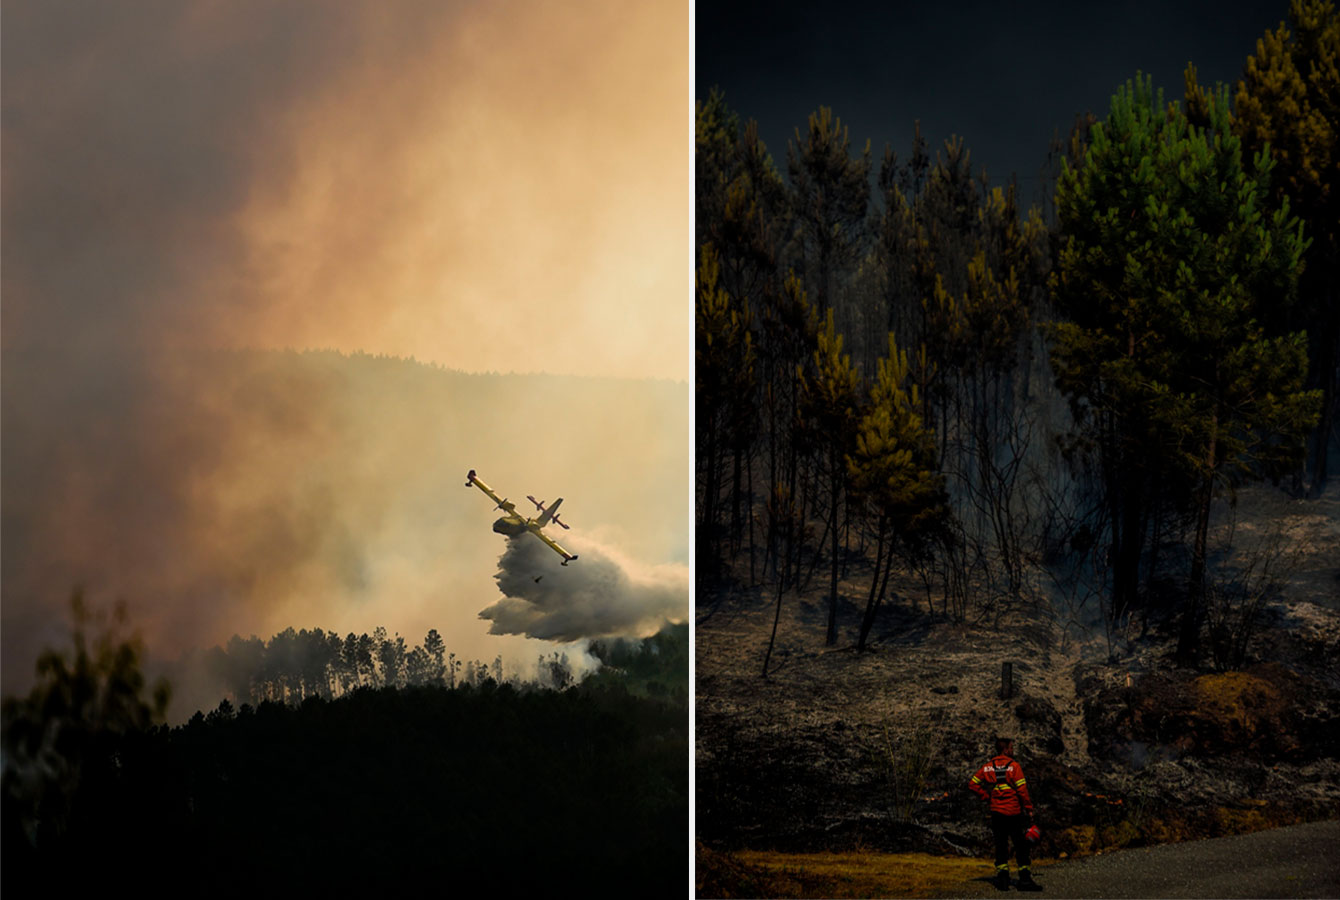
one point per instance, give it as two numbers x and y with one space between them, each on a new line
844 750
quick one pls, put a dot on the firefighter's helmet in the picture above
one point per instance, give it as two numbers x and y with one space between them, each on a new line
1034 834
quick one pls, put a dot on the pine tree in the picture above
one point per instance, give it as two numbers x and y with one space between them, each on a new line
1288 102
741 214
382 652
891 468
830 406
740 201
962 273
829 194
417 667
1170 262
724 390
436 649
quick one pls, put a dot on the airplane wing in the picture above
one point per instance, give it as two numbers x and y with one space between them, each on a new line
507 505
553 545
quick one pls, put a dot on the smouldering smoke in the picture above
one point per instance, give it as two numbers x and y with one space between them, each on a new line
600 595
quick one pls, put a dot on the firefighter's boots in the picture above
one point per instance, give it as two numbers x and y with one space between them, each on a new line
1026 882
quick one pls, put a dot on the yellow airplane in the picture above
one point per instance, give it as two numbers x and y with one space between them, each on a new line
514 524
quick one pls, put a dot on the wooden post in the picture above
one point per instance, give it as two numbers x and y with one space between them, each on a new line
1006 680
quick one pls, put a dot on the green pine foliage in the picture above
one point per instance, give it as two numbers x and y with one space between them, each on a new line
892 470
1289 101
892 464
830 389
1171 261
655 666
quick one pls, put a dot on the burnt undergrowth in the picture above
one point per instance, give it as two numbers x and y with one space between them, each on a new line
843 750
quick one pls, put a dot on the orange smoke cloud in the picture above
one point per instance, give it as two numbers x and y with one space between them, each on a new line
485 187
516 201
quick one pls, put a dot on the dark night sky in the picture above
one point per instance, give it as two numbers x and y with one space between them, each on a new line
1004 76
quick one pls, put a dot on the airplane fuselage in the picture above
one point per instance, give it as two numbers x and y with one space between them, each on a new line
510 526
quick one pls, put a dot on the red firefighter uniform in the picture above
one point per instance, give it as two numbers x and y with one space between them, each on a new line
1001 781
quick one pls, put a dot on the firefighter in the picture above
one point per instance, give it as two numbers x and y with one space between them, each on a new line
1001 781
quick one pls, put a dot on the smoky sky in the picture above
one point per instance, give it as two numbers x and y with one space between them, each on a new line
1003 76
488 186
200 196
599 595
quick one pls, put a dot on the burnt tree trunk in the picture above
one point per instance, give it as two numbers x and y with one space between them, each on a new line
1187 640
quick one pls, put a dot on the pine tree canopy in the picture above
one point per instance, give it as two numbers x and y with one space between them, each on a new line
1171 259
893 463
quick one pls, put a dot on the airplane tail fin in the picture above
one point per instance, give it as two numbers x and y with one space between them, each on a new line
546 515
550 514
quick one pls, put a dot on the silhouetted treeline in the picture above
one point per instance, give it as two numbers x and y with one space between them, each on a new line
898 366
481 787
296 664
485 788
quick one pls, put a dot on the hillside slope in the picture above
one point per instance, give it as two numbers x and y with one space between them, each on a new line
838 749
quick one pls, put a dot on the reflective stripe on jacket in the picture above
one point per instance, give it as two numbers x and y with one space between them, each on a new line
1008 796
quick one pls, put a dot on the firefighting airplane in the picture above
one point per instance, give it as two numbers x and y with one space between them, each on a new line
514 524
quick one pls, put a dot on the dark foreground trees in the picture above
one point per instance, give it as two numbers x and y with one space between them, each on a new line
61 741
481 789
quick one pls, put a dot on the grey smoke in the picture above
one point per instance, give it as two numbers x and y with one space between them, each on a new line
599 595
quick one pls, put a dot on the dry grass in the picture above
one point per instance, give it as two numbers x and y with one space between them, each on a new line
1238 695
753 873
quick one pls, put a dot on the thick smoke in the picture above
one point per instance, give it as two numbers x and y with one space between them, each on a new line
344 512
413 177
478 186
599 595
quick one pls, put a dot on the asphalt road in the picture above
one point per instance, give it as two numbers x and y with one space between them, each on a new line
1298 861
